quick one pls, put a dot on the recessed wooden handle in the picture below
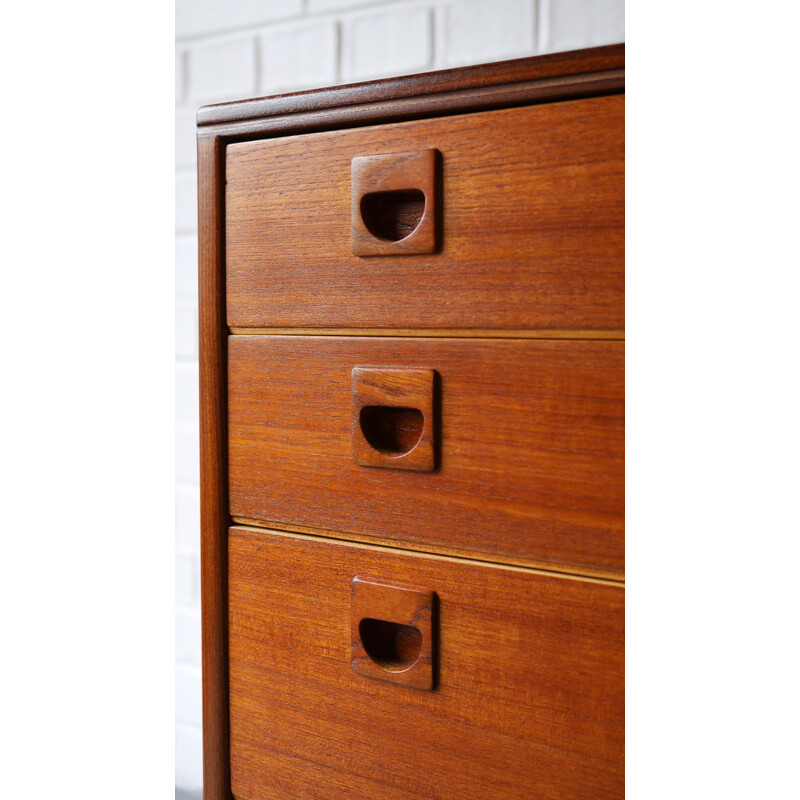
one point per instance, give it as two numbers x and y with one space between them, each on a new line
393 423
392 633
393 203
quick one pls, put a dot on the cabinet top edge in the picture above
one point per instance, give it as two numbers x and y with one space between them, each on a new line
483 76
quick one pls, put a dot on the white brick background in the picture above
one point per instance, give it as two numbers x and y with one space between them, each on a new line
233 49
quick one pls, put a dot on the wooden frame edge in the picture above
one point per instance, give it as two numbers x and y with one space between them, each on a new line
463 101
214 519
533 68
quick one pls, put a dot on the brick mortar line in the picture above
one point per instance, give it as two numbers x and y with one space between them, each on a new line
342 14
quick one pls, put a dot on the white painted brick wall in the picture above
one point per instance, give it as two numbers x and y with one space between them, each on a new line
187 516
188 755
222 69
187 636
248 48
185 142
211 17
186 330
187 395
299 57
180 59
185 201
186 267
389 41
188 695
187 457
187 578
572 24
487 30
317 6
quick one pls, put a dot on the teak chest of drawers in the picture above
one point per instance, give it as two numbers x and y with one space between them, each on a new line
412 449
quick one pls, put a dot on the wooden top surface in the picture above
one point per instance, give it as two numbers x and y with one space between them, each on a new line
565 70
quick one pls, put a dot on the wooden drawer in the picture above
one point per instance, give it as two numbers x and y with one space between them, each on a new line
528 694
530 220
528 446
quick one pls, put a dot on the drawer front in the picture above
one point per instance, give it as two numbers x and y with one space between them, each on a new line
527 449
528 695
530 217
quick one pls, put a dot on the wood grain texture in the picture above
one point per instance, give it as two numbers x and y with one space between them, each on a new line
393 418
393 207
448 333
214 517
532 228
515 95
529 700
537 707
392 632
568 71
531 461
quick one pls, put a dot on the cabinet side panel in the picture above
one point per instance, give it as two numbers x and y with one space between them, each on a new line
213 471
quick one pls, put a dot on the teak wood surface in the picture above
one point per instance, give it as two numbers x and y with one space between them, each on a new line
528 703
214 518
393 631
393 418
400 225
520 84
530 462
525 81
532 225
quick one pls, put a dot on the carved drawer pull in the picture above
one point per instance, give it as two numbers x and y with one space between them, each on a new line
393 204
392 633
393 423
